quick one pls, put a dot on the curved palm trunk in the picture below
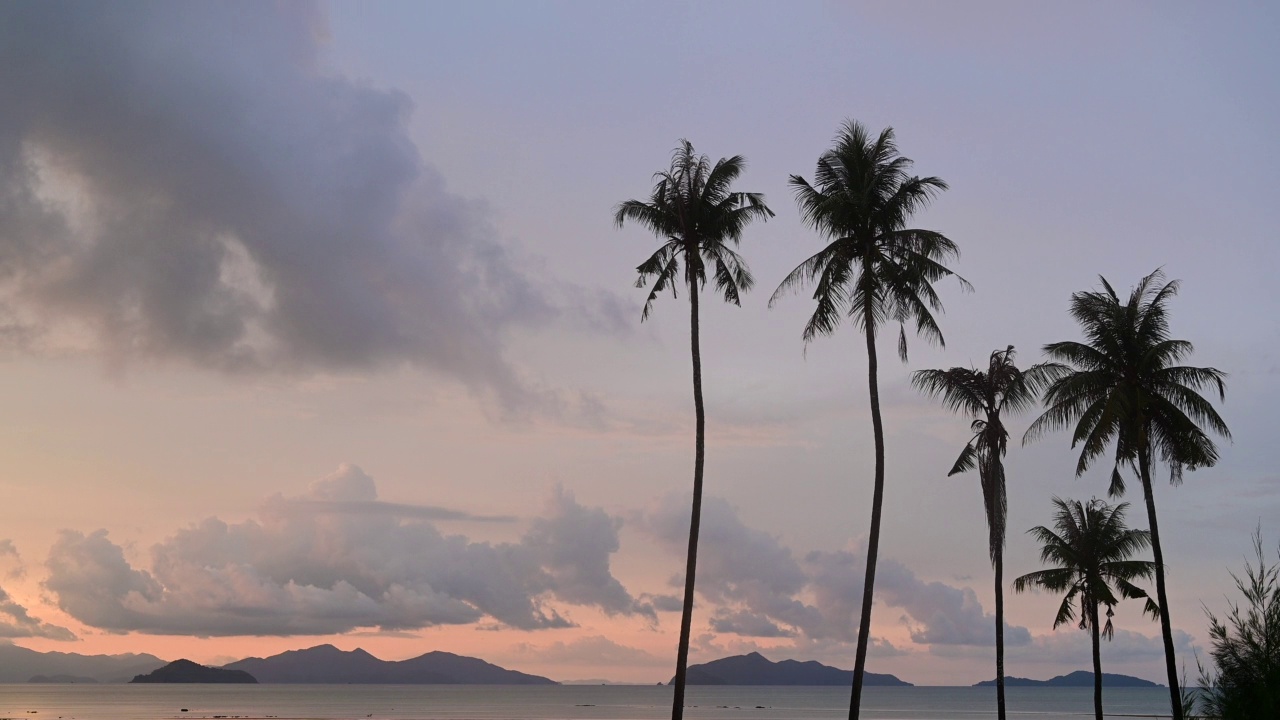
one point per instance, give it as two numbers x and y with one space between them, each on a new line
1166 627
999 563
1097 661
873 540
695 516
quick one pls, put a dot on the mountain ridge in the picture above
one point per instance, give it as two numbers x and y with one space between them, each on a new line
1077 678
328 664
756 669
20 665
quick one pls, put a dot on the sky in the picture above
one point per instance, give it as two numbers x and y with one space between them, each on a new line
315 326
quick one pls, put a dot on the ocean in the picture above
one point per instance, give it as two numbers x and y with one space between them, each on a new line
565 702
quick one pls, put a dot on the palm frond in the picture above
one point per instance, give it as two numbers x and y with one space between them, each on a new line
693 211
966 462
1091 547
874 270
1123 385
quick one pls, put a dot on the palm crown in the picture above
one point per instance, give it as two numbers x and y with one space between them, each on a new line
1125 383
692 208
984 396
875 270
1091 550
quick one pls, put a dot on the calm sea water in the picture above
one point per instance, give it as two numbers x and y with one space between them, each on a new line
566 702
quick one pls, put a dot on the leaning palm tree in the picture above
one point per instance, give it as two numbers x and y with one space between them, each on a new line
697 217
984 396
874 270
1124 383
1091 549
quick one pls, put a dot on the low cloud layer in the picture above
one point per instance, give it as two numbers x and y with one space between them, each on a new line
594 650
16 622
300 569
1070 647
191 182
761 589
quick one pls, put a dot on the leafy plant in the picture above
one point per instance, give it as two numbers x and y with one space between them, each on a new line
1245 681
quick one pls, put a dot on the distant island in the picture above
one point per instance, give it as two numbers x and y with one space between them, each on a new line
1079 678
185 671
328 664
756 669
322 664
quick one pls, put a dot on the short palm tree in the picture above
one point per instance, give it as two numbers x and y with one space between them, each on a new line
874 270
698 219
1091 551
985 396
1125 384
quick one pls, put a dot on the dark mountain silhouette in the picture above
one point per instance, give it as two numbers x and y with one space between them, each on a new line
185 671
1079 678
328 664
18 665
756 669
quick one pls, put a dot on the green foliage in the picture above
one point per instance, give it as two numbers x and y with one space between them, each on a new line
1245 681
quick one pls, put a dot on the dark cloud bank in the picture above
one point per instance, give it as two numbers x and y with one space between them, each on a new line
188 181
325 564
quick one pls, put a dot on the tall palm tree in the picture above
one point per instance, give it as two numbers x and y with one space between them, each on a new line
1091 549
1125 383
874 270
984 396
698 218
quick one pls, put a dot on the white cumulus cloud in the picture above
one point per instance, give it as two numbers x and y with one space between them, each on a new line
302 569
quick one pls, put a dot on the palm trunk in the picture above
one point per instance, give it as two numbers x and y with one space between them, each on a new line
873 540
1166 628
1000 633
695 515
1097 661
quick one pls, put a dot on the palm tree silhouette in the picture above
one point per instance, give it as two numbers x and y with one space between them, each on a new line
1091 549
875 270
697 218
1124 383
984 396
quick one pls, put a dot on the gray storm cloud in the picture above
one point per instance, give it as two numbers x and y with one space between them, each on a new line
297 570
189 181
760 588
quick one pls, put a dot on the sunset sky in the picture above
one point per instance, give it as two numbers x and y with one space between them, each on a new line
315 325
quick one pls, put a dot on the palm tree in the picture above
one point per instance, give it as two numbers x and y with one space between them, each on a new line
984 396
697 218
875 270
1124 383
1091 549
